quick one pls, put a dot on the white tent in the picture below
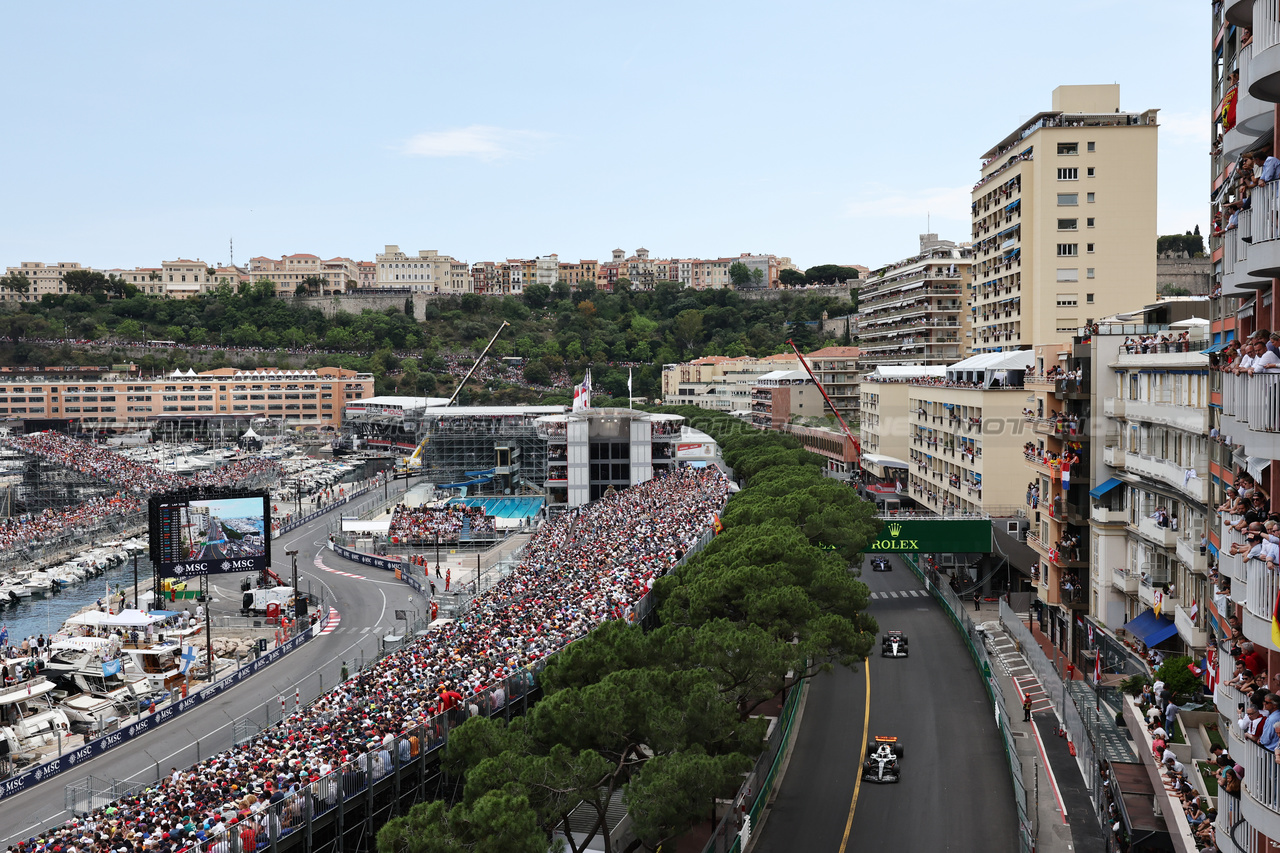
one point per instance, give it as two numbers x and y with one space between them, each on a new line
89 618
249 433
132 619
1188 323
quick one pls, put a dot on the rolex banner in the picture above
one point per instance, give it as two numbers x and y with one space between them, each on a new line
933 535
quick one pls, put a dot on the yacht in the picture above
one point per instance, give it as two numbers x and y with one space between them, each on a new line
28 719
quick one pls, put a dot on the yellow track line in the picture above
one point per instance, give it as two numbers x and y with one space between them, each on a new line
862 755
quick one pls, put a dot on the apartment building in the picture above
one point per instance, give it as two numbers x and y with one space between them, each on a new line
427 272
780 395
961 428
336 275
886 429
1060 206
719 382
837 369
912 311
105 400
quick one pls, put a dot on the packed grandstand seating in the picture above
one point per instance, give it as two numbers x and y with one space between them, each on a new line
137 482
582 568
425 525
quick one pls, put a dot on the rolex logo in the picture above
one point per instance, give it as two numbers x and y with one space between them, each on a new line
895 529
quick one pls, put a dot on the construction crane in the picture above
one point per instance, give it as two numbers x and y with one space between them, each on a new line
415 461
857 445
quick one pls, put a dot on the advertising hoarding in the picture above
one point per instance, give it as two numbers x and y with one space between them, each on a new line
194 535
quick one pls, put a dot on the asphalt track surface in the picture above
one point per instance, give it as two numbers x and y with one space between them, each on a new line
955 792
366 598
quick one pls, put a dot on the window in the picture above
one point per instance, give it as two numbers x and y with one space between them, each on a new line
1068 224
1069 275
1068 250
1069 199
1067 300
1089 222
1065 148
1088 273
1088 297
1089 147
1069 325
1088 172
1072 174
1088 247
1089 198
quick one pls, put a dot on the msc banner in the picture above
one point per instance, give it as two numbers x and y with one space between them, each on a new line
377 562
933 535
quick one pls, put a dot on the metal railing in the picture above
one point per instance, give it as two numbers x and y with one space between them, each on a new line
1266 24
1262 776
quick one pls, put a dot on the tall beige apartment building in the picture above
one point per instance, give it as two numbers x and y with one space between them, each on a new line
1064 221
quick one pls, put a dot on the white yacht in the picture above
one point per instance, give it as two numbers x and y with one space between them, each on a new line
28 719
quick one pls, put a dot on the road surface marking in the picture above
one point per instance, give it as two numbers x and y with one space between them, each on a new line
862 754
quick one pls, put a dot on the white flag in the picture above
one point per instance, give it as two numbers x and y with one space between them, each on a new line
628 381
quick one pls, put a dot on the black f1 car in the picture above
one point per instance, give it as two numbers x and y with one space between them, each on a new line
883 756
881 564
894 645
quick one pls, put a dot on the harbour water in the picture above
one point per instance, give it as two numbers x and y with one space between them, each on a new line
44 614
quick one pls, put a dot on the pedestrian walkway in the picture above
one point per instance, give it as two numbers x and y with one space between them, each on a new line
1064 816
903 593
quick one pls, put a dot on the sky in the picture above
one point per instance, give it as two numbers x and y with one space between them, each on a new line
824 132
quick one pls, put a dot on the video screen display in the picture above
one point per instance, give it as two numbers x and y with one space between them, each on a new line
214 536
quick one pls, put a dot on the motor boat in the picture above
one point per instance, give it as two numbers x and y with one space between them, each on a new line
28 719
13 590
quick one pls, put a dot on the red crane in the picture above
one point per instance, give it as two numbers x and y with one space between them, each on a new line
857 446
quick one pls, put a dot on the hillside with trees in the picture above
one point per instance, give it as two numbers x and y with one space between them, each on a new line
559 331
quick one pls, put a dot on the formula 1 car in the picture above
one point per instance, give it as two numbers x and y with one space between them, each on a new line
894 645
883 756
881 564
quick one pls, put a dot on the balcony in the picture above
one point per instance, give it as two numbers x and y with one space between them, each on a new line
1239 12
1125 581
1260 805
1191 556
1192 635
1171 414
1195 487
1260 597
1147 595
1103 515
1253 117
1165 537
1264 71
1264 252
1113 407
1114 456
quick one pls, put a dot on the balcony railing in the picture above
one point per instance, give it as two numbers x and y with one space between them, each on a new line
1253 399
1263 584
1262 776
1266 25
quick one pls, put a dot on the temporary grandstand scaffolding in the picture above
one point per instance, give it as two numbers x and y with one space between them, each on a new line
462 444
47 485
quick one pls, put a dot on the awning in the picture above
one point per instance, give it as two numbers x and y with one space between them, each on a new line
1255 465
1102 488
1213 549
1215 348
1150 628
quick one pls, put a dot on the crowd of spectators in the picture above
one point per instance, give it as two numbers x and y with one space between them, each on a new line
427 525
1154 343
137 481
586 566
137 477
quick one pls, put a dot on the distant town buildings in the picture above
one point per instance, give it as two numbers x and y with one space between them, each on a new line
428 271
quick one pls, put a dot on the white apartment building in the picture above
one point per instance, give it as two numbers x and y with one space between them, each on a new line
718 382
337 274
913 311
1151 457
1058 213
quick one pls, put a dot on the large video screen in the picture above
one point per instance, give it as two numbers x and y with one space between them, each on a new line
191 537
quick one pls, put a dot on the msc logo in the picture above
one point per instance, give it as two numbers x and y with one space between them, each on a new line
895 529
226 564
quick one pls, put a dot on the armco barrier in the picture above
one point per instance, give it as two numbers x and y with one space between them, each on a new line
94 748
298 522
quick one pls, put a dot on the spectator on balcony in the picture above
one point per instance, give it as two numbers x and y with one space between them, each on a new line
1161 516
1269 734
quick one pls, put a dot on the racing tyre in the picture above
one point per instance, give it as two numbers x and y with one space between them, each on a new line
898 750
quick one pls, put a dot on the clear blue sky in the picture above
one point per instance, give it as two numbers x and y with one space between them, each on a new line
143 132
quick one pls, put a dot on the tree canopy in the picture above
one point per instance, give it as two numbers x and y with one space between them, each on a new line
668 716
